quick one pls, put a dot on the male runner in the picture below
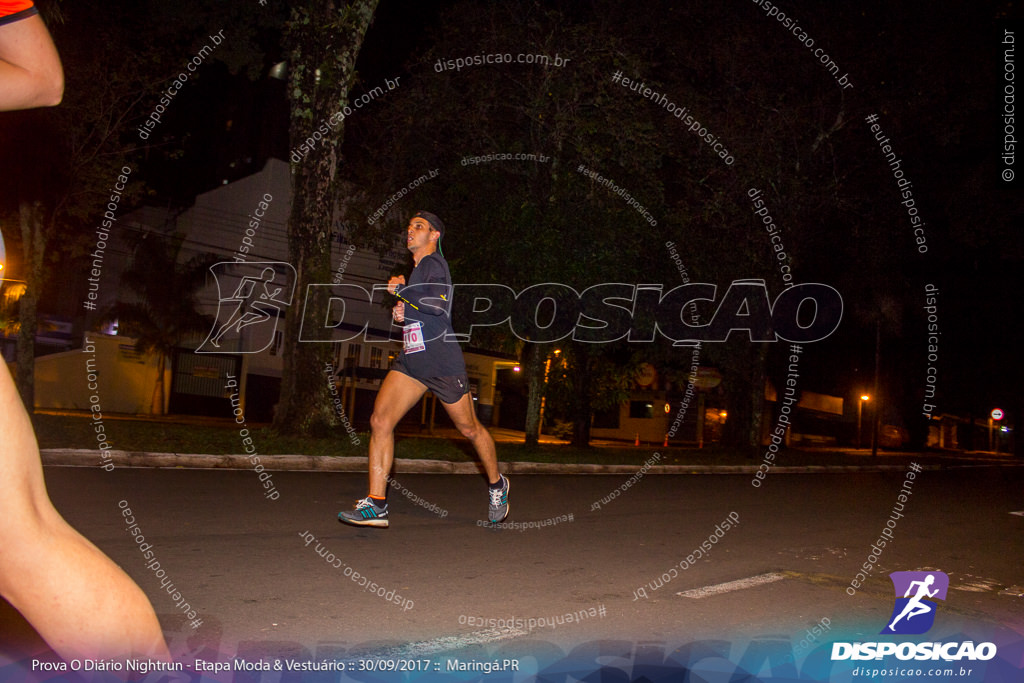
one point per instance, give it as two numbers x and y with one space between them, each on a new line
79 601
429 362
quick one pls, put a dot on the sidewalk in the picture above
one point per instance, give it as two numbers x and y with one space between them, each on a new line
77 457
615 457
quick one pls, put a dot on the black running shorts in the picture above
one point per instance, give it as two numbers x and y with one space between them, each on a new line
448 389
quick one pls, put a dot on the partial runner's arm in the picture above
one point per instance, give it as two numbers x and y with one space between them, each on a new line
30 71
431 294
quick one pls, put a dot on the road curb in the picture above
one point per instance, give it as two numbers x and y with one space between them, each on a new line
80 457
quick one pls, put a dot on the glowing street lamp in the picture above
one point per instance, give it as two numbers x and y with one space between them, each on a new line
547 369
3 262
860 405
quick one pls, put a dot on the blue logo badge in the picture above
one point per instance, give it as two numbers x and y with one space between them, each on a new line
914 612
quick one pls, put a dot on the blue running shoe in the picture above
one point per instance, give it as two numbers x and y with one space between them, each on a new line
497 507
366 514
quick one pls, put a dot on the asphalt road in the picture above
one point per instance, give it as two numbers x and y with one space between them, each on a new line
243 563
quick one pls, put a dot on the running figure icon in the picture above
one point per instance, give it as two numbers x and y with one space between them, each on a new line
915 606
916 595
254 306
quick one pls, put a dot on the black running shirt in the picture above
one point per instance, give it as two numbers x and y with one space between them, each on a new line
425 352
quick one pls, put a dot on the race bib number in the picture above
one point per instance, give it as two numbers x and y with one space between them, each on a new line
412 338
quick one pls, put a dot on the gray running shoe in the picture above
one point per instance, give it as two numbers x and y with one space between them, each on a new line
497 507
366 514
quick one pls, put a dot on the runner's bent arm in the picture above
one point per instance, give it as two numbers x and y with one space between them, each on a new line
430 296
30 69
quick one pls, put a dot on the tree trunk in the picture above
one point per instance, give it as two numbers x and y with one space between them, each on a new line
744 387
581 403
157 404
758 406
323 41
304 403
34 247
533 366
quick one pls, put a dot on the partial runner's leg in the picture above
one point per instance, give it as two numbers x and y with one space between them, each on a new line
398 394
78 600
463 415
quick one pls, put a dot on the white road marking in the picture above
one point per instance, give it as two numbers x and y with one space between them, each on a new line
979 586
1019 513
450 643
730 586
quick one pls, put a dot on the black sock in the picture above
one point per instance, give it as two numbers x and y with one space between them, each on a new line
497 485
379 502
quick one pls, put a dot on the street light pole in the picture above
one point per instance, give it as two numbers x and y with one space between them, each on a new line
875 416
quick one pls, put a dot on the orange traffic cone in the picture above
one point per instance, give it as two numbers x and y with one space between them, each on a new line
665 445
637 442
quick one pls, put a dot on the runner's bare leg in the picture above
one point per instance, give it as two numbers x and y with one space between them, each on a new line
398 394
79 601
463 414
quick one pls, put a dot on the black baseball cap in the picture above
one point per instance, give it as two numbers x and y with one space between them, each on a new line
431 218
